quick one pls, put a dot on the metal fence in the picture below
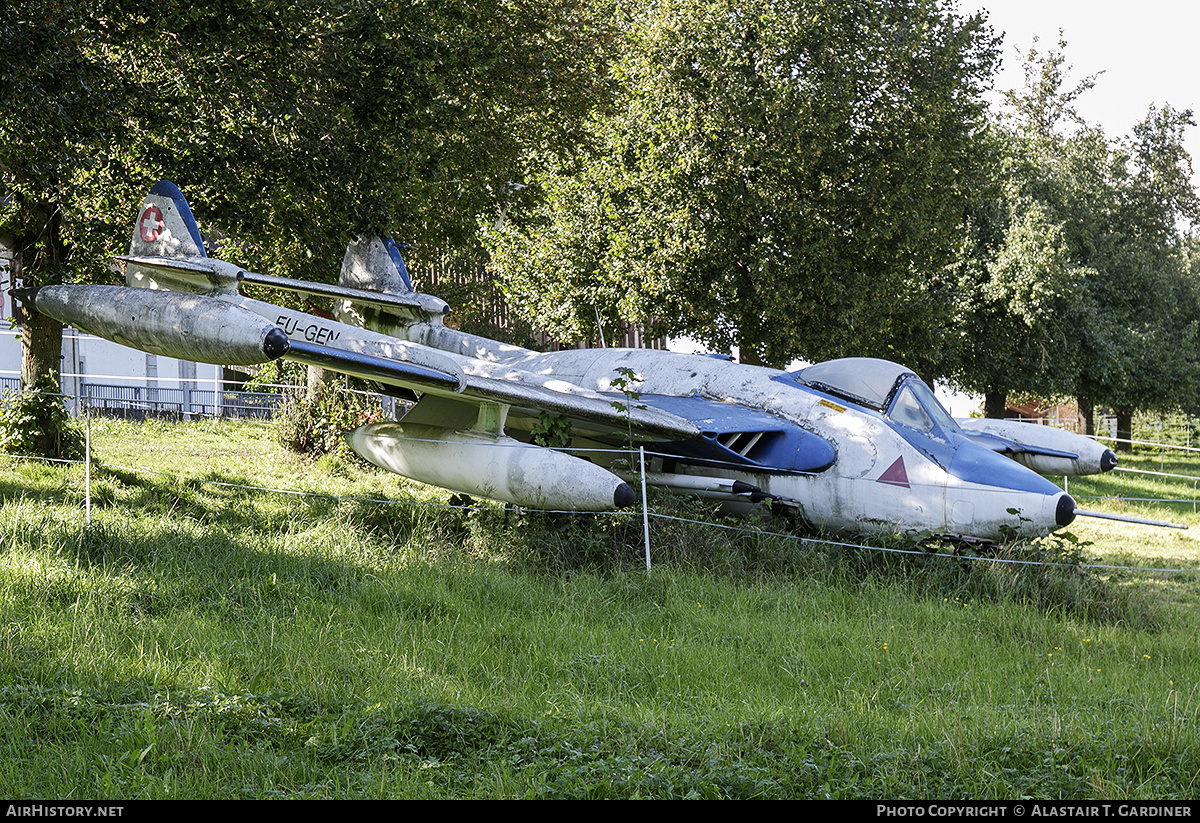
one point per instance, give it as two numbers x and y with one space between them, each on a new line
140 402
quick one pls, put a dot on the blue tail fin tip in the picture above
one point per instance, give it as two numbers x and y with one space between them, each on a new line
165 188
394 252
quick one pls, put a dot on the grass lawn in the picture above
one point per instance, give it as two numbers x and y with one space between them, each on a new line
240 623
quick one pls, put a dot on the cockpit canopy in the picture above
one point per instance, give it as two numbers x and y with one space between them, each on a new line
866 381
882 385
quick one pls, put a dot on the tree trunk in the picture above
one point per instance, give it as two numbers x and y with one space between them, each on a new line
1087 414
1124 430
39 260
41 348
748 355
318 380
994 404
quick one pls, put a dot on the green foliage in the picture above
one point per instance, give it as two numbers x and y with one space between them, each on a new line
315 423
766 171
626 382
271 376
36 423
552 432
1073 281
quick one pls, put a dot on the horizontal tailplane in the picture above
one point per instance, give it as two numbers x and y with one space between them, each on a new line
375 265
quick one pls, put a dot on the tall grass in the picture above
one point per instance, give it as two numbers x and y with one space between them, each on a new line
207 637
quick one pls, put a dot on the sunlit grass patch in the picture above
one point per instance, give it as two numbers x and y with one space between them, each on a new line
352 634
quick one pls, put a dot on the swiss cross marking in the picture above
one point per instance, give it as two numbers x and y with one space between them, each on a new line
151 224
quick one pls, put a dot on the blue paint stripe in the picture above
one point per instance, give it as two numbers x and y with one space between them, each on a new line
165 188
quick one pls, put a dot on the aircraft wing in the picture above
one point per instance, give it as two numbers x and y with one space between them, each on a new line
452 399
433 372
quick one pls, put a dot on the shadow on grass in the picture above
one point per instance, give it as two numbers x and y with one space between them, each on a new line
217 527
220 499
158 544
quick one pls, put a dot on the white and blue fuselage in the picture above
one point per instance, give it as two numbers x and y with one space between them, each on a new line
852 445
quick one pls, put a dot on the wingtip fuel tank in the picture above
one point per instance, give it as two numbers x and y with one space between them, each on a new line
1044 449
498 468
185 326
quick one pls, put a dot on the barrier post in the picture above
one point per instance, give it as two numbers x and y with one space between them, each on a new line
645 509
87 459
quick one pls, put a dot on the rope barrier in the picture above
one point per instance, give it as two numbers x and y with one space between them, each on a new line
646 513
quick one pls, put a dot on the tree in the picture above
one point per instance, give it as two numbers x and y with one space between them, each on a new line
1074 255
324 121
784 177
1143 355
293 126
63 86
1021 315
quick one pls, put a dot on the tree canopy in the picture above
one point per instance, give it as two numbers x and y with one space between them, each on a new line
1073 282
797 179
784 177
292 126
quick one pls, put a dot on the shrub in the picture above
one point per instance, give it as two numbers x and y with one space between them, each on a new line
314 423
36 423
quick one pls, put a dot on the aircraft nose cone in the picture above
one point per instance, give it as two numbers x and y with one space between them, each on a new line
1064 513
1108 461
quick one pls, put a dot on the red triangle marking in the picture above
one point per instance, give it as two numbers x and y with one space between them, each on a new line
895 475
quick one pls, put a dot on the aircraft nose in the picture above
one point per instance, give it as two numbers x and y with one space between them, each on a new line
1108 461
1064 513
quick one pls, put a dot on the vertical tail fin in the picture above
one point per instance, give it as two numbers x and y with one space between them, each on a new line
375 264
165 226
167 251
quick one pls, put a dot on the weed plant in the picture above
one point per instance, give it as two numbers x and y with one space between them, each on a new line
239 622
35 421
313 422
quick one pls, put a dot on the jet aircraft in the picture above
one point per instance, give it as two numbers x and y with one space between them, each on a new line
851 446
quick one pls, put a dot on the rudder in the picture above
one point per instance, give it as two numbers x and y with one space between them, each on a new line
165 226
